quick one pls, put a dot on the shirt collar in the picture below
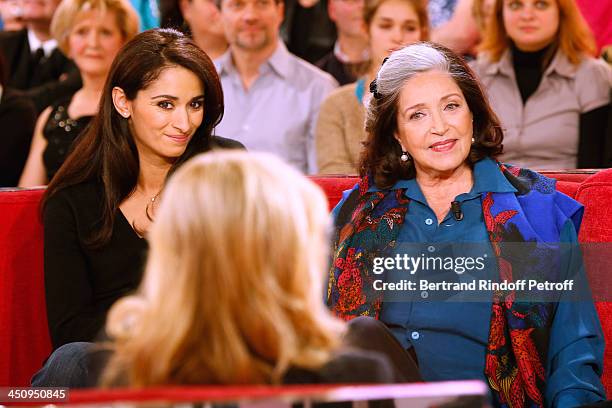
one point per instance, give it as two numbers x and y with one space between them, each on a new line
279 61
343 58
560 64
488 177
47 46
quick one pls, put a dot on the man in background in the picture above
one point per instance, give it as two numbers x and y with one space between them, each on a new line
35 65
272 97
350 51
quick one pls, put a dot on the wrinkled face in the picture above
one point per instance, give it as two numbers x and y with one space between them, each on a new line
203 17
348 16
252 25
38 10
531 24
394 25
94 41
165 115
434 123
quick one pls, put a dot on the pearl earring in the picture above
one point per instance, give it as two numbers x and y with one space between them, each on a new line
473 140
404 157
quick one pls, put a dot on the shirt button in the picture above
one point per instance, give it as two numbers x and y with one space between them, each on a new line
428 221
431 248
415 335
424 294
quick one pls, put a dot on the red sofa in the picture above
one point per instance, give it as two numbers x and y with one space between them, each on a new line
25 343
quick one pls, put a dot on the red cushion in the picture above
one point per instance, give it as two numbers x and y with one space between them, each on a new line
25 342
22 300
333 186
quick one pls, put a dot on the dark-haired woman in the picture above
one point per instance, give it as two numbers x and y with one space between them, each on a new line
159 106
436 209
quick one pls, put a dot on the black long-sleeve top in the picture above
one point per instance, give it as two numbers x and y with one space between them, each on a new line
81 283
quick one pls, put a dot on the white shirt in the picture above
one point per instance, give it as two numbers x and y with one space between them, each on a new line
47 46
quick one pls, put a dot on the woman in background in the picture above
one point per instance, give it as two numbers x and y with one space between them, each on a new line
552 96
391 24
90 32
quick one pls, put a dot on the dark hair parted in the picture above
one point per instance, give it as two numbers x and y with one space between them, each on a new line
381 156
106 152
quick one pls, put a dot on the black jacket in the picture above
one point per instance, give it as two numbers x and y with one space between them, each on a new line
44 82
17 120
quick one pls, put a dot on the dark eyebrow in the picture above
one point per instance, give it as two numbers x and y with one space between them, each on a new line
174 98
422 104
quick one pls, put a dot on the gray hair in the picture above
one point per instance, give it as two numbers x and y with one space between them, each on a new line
381 156
404 64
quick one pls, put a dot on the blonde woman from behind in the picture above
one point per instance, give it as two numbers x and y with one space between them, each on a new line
232 292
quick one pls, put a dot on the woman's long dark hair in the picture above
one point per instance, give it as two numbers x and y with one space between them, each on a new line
106 152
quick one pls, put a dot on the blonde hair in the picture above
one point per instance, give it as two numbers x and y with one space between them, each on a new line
233 288
574 36
68 11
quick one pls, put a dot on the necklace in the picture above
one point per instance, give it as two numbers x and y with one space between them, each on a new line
149 212
150 205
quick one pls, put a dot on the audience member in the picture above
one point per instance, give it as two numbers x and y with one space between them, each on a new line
36 65
482 10
307 30
267 326
453 24
17 117
200 19
10 15
551 95
272 97
340 133
160 103
350 51
430 185
91 32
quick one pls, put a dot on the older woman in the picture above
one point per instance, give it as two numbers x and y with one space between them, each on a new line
429 180
90 32
552 96
390 24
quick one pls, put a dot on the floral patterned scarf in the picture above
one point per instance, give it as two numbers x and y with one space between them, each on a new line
368 225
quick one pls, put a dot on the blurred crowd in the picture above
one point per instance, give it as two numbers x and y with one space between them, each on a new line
295 74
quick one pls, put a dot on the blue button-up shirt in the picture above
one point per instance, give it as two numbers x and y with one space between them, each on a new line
450 338
279 112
